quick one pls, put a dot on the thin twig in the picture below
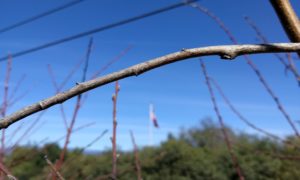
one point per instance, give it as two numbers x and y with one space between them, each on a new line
77 129
70 160
275 98
6 172
94 141
58 88
220 118
112 61
288 66
245 120
13 134
225 52
136 158
114 136
239 115
5 104
75 112
16 88
53 168
251 64
28 130
293 66
106 66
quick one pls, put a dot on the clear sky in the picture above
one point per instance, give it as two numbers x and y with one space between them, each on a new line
177 91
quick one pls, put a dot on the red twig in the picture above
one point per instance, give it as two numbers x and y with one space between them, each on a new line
292 66
87 146
6 172
244 119
75 112
14 100
112 61
106 66
5 104
68 77
251 64
239 115
51 73
275 98
114 137
29 129
13 134
6 86
16 88
69 132
53 168
136 158
94 141
288 66
226 138
77 129
58 89
63 115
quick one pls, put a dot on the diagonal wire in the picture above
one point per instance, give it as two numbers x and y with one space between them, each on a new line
39 16
99 29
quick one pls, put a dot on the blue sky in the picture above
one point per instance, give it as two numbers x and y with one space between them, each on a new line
178 91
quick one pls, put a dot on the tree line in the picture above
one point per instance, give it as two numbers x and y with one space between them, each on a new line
195 153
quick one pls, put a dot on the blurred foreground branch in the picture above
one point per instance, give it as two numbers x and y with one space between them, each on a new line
288 19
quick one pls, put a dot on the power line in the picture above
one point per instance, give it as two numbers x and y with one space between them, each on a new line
39 16
99 29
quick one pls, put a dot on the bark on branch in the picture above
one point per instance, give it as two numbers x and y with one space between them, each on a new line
225 52
288 18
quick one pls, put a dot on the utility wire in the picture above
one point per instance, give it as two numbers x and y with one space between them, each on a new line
39 16
99 29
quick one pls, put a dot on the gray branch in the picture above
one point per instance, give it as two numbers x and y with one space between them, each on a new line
288 18
225 52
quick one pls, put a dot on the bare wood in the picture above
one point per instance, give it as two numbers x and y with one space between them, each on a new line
53 168
288 18
114 137
137 161
224 51
221 122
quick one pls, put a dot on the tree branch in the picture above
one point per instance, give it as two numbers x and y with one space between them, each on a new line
288 19
53 168
225 52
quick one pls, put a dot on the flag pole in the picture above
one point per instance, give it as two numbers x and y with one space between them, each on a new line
150 130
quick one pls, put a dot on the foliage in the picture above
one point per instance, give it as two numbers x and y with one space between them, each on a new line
196 153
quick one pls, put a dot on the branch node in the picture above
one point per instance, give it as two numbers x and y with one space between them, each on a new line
228 56
42 106
136 71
